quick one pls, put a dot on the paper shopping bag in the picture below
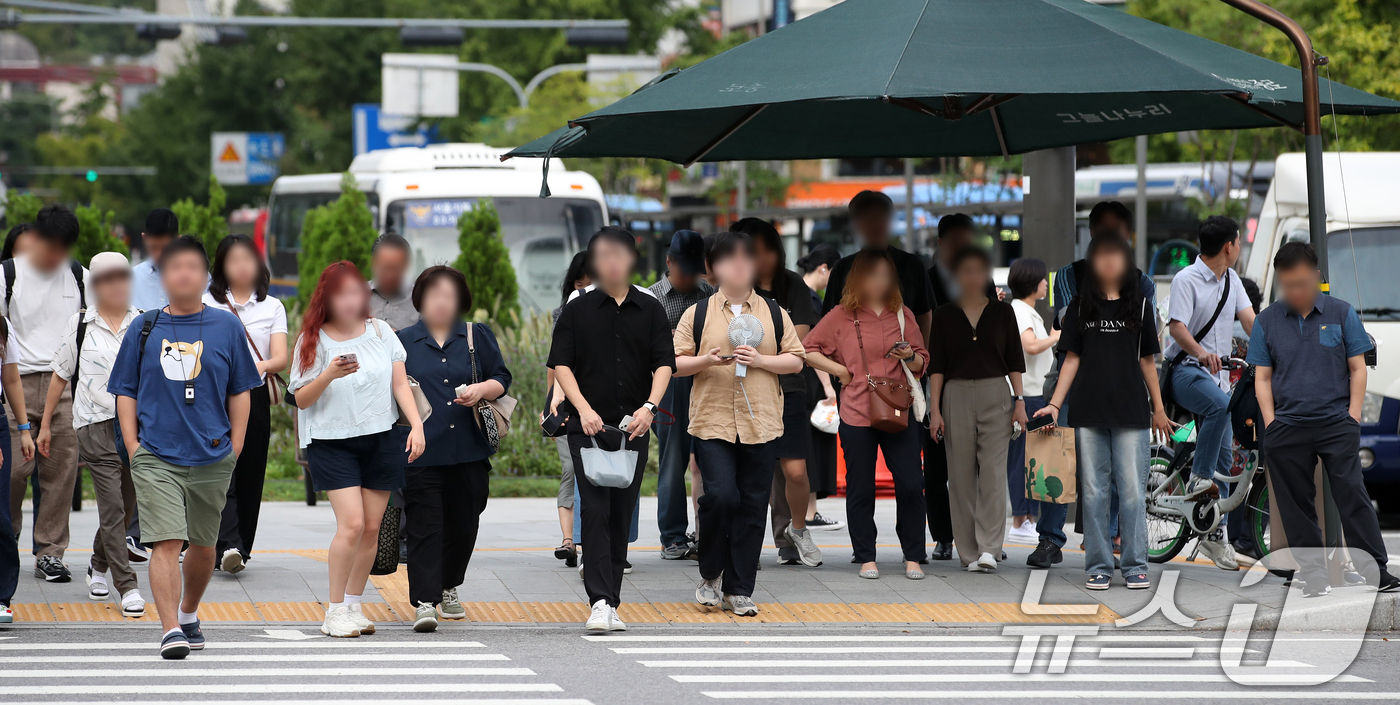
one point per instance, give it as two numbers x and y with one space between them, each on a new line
1050 463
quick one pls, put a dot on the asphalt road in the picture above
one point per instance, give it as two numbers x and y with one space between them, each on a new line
82 665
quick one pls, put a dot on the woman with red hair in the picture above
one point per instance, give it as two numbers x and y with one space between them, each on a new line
347 375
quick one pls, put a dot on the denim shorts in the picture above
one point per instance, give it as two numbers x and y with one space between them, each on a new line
374 462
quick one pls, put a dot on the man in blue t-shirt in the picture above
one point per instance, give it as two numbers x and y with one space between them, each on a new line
181 380
1310 375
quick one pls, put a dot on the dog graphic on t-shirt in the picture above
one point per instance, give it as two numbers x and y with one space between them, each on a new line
180 361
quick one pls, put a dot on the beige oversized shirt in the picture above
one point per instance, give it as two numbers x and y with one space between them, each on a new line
718 409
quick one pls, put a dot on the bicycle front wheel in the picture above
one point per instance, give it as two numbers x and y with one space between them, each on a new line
1166 535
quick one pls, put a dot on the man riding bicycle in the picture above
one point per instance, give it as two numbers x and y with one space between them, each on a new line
1206 299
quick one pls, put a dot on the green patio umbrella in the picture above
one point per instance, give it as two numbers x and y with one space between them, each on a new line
927 78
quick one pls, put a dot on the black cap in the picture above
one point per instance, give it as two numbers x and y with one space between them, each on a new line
688 252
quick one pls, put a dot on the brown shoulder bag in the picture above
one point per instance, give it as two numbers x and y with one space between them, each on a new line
890 398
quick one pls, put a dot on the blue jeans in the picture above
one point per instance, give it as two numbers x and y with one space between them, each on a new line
672 504
1195 390
1113 462
1016 466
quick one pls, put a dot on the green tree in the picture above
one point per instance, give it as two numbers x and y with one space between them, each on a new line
206 222
95 234
341 230
485 261
21 208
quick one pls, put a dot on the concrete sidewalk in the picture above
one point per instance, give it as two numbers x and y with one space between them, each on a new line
515 578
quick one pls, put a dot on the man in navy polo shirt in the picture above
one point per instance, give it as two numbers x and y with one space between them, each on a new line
1309 352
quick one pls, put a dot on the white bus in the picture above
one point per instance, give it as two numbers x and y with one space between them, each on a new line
420 191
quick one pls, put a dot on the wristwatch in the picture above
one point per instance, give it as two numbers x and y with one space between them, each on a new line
1018 397
649 407
24 427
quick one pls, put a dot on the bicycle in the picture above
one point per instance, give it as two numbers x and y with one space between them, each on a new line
1173 519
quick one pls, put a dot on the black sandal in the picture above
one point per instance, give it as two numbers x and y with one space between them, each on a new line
567 553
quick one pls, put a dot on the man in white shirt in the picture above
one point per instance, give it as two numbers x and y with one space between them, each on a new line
146 291
41 290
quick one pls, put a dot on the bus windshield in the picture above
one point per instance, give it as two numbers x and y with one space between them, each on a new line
1376 251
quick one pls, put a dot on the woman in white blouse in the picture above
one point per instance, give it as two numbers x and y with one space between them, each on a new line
349 381
239 285
1028 284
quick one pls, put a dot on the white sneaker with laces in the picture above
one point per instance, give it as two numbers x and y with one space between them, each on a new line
338 623
133 605
598 619
232 561
1219 551
615 623
1025 532
807 551
985 563
97 586
357 614
1197 486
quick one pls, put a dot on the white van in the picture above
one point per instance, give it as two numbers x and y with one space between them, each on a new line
1363 248
420 191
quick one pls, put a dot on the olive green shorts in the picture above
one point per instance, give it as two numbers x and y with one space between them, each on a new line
179 501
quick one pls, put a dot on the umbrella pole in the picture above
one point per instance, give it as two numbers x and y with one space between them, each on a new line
1312 120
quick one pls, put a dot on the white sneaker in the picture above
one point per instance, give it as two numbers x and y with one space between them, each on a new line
7 615
600 618
232 561
1219 551
807 551
1198 486
133 605
1025 532
97 586
357 615
615 623
339 623
985 563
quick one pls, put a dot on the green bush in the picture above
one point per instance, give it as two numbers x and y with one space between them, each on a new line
206 223
485 261
342 230
20 208
95 234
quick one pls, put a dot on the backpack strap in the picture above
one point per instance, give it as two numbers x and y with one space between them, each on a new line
776 313
77 270
9 266
697 328
78 339
148 321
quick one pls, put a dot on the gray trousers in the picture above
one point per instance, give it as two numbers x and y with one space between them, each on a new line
977 431
57 472
116 501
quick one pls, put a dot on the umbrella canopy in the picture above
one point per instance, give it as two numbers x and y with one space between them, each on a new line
928 78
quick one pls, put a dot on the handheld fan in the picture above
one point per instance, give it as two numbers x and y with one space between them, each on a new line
745 329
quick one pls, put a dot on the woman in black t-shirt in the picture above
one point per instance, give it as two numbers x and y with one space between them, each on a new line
1111 330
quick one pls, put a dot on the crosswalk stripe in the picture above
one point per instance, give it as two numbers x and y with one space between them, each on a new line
263 672
1134 653
258 688
327 643
1027 695
1281 679
892 639
434 701
252 658
842 663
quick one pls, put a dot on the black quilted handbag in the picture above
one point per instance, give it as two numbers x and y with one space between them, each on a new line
386 558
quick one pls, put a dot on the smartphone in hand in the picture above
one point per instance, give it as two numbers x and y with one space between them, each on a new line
1040 422
348 358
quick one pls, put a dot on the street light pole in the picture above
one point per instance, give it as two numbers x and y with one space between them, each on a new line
1312 120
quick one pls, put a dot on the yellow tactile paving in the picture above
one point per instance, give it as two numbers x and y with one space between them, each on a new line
872 612
954 612
571 612
1010 613
821 612
691 613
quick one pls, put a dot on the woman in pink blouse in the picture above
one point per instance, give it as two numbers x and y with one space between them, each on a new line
869 335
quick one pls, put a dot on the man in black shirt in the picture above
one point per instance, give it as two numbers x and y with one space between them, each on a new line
871 215
613 357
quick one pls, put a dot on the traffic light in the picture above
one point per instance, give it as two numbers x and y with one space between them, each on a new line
431 36
91 175
154 32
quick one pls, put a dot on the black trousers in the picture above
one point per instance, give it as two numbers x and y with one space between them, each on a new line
738 478
1292 453
605 517
238 525
446 502
940 522
860 445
